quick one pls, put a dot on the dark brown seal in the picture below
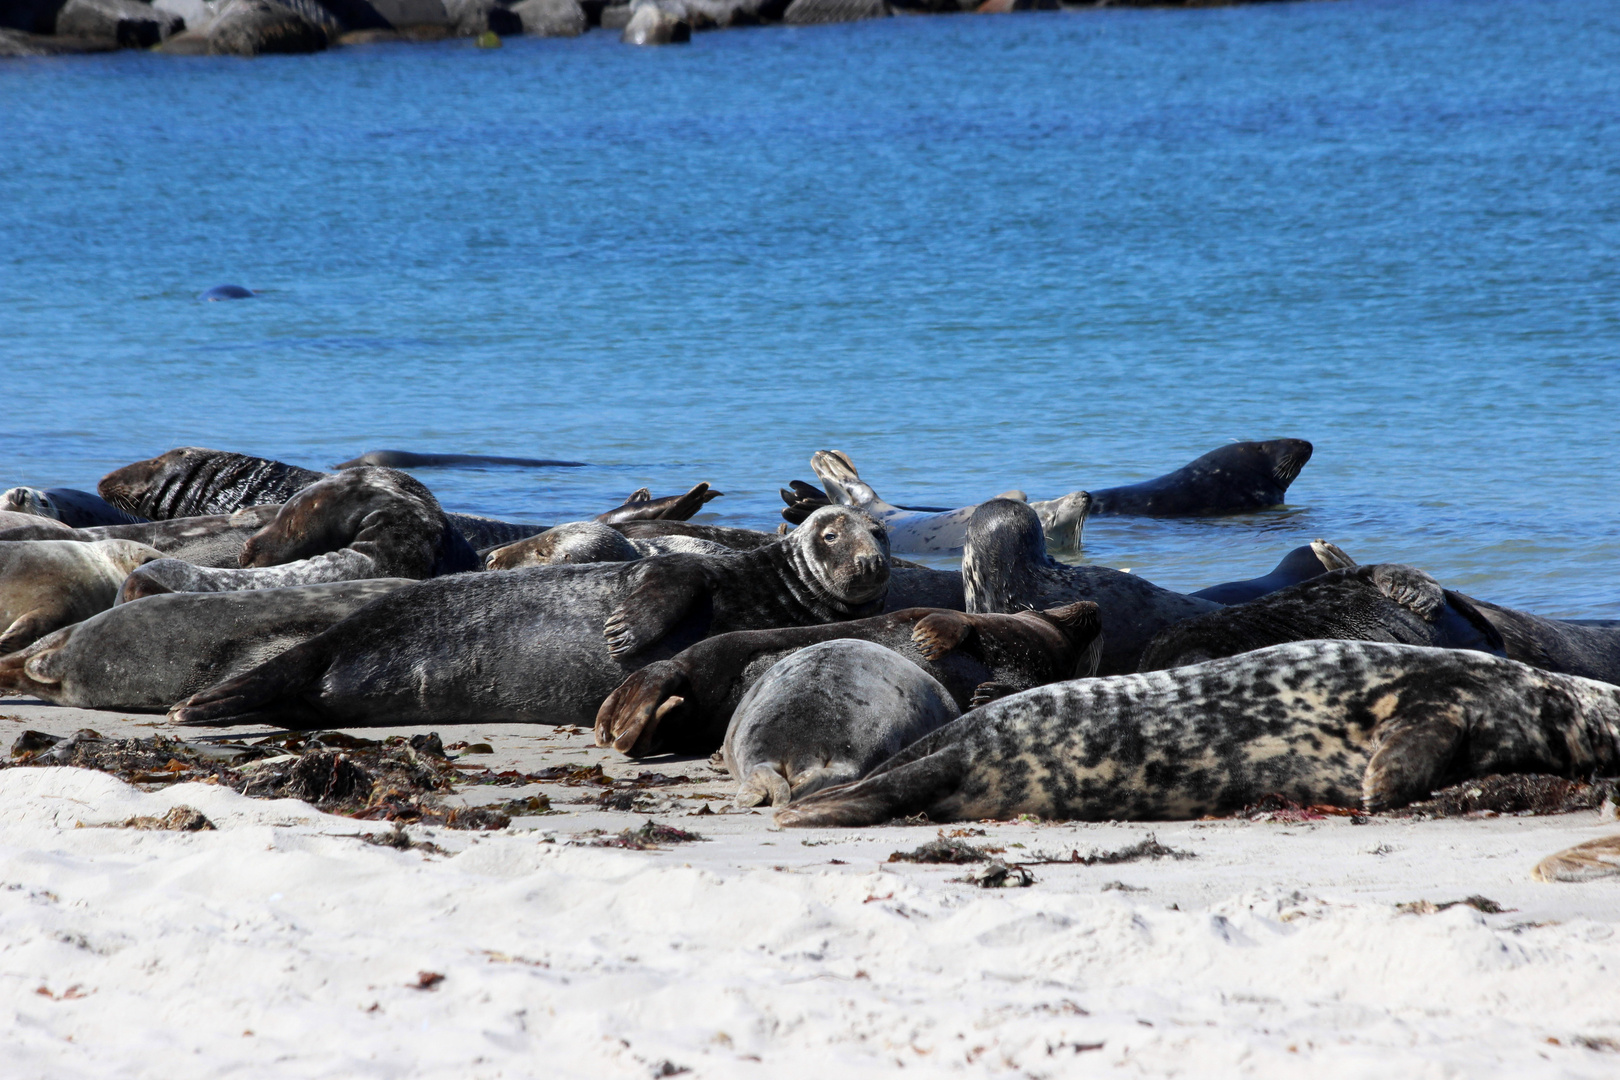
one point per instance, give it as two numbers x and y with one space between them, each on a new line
1233 479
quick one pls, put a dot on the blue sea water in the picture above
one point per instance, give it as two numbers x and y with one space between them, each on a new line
1049 251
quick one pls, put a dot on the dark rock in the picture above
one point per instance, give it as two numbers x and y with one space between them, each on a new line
653 24
808 12
402 14
469 18
189 43
17 43
258 27
132 24
29 16
614 17
551 18
998 7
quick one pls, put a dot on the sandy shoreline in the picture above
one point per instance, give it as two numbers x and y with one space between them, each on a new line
1279 949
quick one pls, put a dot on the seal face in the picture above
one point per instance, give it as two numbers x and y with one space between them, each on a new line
1387 602
1234 479
1338 722
685 703
548 643
1005 568
76 509
150 654
827 714
46 584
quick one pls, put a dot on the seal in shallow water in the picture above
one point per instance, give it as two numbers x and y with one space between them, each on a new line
1387 602
405 459
47 584
1301 564
1343 723
1005 568
547 644
1234 479
684 704
154 652
827 714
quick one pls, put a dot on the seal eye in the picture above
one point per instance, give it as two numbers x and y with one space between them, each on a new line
830 537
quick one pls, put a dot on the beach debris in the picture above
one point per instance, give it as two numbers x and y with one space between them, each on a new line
1282 809
943 850
649 837
669 1068
426 980
180 818
1428 907
1146 848
1583 862
1525 794
400 840
998 875
1120 886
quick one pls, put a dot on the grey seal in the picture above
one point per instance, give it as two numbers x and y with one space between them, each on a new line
1301 564
359 523
827 714
548 643
589 542
1386 602
405 459
1343 723
684 704
641 506
226 292
77 509
1589 648
154 652
1005 568
1235 479
216 540
47 584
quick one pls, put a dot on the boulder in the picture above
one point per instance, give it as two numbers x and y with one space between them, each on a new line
400 14
198 14
31 17
653 24
614 17
15 43
469 18
721 14
807 12
551 18
132 24
256 27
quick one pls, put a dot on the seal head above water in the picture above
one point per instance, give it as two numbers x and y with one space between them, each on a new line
1234 479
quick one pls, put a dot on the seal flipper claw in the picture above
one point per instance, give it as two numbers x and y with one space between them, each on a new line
939 633
986 692
1413 758
652 606
1411 588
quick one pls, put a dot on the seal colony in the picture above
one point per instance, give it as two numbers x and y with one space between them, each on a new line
837 683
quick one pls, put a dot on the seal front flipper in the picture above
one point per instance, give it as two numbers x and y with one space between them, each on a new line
28 627
908 783
939 633
632 714
1414 757
1331 556
1411 588
986 692
654 603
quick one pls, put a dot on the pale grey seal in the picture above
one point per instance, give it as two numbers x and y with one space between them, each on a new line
47 584
589 542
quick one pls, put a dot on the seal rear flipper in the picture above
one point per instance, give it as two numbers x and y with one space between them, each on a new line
763 785
802 501
632 715
1488 631
1414 757
1331 556
889 791
272 693
1411 588
653 604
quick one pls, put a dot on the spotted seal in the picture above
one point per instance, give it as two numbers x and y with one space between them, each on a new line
548 643
1005 568
1342 723
1233 479
1301 564
405 459
592 541
77 509
684 704
152 653
1386 602
359 523
827 714
47 584
918 531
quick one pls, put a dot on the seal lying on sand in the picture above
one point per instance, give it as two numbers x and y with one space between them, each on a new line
1388 602
1064 519
192 481
1344 723
684 704
359 523
1234 479
405 459
1301 564
76 509
47 584
216 540
547 644
827 714
591 542
1006 568
152 653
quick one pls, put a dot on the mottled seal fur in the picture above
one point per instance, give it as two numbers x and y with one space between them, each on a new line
77 509
547 644
1387 602
405 459
589 542
216 540
192 481
1590 649
725 536
1233 479
1342 723
827 714
1301 564
1063 518
641 506
684 704
152 653
359 523
47 584
1005 568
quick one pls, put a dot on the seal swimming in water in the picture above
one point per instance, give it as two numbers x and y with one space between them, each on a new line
1005 568
405 459
152 653
827 714
547 644
76 509
359 523
1343 723
915 531
226 292
1234 479
590 542
684 704
192 481
1301 564
1386 602
47 584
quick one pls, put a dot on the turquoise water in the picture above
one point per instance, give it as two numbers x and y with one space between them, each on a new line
1048 251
